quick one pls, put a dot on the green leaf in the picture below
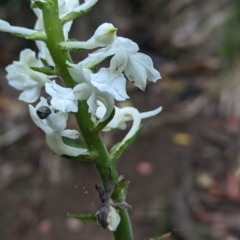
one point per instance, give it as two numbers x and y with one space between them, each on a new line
121 186
118 149
101 125
88 217
45 70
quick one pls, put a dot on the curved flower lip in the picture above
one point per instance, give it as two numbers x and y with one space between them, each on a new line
125 114
6 27
54 127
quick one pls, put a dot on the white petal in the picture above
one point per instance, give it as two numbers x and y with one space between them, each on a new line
114 123
150 113
108 102
57 145
6 27
30 95
118 44
64 105
70 133
63 99
134 113
119 61
57 121
140 68
78 74
83 91
92 103
114 84
55 90
44 53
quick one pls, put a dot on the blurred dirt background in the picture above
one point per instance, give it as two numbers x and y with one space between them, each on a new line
184 168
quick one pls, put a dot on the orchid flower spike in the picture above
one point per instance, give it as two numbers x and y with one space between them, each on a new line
21 77
103 36
54 127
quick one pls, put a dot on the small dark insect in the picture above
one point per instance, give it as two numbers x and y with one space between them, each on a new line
43 112
105 197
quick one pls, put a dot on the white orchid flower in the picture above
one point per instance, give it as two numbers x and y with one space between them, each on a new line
122 115
86 91
111 79
21 77
107 81
103 36
137 67
54 127
6 27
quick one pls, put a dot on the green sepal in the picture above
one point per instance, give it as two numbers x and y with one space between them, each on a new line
121 186
41 5
119 148
38 35
44 62
78 143
88 217
101 125
73 15
46 70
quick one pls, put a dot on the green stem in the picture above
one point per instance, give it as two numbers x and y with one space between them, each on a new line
54 35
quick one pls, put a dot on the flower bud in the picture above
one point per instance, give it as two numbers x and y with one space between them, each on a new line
105 34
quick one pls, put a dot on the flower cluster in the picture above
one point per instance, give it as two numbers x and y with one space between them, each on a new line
99 86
